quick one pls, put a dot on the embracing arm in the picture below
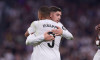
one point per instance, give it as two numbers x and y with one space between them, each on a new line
97 28
32 39
26 34
64 32
31 29
67 35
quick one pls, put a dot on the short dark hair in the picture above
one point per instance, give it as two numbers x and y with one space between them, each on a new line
54 9
45 11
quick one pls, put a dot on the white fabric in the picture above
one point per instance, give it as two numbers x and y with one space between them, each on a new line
66 34
97 42
32 27
41 50
30 30
33 40
97 55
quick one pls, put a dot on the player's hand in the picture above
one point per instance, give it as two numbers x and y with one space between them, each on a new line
57 31
97 28
48 37
97 41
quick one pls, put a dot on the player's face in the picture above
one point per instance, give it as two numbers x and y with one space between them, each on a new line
55 16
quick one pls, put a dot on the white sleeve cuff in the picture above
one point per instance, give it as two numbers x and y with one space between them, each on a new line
97 42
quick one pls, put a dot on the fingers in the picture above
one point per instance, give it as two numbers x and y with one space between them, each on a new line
56 34
54 31
48 37
52 38
57 31
48 31
58 27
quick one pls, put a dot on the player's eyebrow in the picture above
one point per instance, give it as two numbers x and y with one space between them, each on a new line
59 14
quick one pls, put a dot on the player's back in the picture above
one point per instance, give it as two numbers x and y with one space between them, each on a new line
43 26
47 50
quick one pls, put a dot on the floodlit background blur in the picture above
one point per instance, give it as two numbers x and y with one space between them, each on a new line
79 17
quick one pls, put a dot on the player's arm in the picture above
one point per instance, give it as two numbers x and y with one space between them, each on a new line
32 39
97 28
98 40
31 29
26 34
64 32
67 35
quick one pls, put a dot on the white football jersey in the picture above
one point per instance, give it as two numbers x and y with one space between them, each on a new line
46 50
97 55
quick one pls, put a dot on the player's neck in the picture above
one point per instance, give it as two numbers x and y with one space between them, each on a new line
46 18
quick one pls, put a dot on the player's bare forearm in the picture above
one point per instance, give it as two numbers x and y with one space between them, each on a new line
97 28
26 34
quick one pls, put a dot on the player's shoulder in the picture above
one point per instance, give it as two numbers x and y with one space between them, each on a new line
34 22
62 26
47 21
59 23
44 20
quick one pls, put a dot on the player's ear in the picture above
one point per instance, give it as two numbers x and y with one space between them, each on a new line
50 14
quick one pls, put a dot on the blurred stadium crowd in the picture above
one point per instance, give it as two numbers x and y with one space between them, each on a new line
78 16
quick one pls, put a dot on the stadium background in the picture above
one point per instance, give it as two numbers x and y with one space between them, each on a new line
79 17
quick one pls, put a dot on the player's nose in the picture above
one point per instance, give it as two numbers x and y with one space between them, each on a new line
59 17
